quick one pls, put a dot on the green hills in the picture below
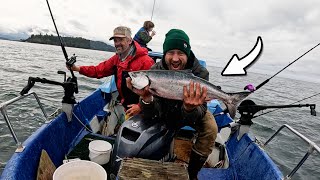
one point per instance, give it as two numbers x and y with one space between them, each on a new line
77 42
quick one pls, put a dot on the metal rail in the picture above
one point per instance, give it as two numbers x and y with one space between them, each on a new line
3 108
312 147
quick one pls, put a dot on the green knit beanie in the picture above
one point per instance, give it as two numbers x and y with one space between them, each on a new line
177 39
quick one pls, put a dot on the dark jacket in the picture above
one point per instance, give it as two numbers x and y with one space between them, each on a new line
170 111
142 37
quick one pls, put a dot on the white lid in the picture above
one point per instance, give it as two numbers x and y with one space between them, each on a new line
100 146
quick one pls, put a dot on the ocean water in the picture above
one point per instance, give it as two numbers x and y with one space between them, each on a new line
20 60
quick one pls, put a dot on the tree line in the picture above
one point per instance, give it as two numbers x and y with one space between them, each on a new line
77 42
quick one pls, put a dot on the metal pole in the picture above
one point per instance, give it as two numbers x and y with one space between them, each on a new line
6 118
305 157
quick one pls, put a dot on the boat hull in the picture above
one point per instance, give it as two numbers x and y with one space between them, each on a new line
246 159
57 138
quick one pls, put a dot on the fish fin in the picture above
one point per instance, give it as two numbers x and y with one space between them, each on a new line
236 98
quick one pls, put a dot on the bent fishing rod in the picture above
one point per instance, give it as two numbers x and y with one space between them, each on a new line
154 2
69 85
252 88
252 109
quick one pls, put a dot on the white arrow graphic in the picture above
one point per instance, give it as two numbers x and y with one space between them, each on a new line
237 66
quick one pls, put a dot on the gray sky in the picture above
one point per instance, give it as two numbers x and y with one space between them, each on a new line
217 28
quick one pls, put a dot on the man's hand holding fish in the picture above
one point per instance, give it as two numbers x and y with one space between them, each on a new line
193 96
143 92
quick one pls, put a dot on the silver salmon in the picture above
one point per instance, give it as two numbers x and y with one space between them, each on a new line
169 84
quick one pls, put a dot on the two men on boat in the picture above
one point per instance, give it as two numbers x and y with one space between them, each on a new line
145 34
130 56
192 111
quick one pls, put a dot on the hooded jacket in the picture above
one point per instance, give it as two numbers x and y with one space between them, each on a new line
114 66
170 111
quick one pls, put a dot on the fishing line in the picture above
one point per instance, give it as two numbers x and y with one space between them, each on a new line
267 80
289 104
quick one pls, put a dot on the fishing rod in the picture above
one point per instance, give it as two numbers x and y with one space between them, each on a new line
252 88
247 110
154 2
289 104
69 85
69 62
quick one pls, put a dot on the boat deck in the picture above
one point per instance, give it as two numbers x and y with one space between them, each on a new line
137 168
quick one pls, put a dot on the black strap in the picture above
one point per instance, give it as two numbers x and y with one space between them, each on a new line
222 150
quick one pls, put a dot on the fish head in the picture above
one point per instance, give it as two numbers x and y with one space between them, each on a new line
139 79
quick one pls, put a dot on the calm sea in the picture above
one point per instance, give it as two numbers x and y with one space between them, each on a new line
20 60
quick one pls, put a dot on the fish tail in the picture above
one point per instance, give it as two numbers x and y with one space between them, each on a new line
235 99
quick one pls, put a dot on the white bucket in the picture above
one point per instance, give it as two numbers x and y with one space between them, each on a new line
100 151
80 170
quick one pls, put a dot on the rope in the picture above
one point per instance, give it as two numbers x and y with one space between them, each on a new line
81 123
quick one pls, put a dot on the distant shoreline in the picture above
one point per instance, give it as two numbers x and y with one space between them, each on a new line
76 42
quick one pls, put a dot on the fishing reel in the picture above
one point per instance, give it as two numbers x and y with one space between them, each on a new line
71 61
72 80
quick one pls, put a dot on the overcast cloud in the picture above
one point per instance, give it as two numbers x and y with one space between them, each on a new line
217 28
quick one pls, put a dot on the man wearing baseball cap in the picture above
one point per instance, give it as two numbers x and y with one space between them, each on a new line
130 56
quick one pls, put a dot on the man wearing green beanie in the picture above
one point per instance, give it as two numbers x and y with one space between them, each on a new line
192 111
177 39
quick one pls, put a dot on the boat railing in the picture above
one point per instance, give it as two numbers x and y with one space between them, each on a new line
312 147
3 108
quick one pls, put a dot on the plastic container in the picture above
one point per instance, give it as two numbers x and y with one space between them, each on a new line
80 170
100 151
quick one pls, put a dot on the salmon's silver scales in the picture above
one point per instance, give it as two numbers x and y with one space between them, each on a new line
169 84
